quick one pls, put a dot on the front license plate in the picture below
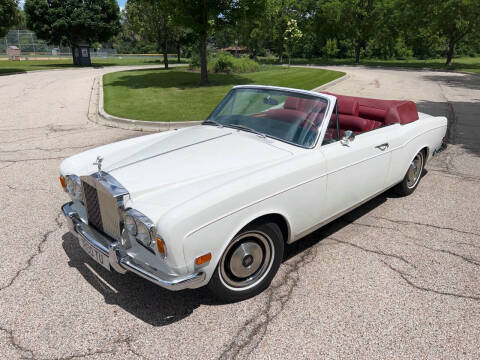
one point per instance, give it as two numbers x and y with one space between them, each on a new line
94 253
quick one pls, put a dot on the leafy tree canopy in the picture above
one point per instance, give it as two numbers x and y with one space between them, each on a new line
69 22
9 13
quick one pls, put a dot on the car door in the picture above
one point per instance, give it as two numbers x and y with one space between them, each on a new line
356 170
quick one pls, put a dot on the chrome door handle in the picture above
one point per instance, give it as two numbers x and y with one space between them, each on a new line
382 147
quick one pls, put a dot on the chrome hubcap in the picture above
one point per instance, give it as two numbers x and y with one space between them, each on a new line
246 260
415 170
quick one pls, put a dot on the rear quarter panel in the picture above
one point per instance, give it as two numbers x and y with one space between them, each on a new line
407 140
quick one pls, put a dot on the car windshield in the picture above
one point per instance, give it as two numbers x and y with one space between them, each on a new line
284 115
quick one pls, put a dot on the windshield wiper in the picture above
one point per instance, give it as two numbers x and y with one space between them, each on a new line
246 128
212 122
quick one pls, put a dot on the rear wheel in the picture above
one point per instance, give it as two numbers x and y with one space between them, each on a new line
249 263
413 175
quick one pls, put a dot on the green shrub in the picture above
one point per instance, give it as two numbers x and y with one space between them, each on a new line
223 62
245 65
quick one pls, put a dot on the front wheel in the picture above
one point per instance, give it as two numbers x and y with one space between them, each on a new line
249 263
413 175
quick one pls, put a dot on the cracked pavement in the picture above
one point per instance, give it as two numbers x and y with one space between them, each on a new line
395 278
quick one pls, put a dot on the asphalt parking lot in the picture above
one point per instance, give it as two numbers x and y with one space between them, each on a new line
396 278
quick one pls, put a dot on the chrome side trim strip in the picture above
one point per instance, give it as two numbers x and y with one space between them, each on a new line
306 182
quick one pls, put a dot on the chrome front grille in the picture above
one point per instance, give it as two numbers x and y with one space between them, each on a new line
92 206
103 197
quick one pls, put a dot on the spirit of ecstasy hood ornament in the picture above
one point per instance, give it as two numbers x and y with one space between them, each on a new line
98 162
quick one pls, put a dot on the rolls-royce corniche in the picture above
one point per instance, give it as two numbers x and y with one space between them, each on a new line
215 204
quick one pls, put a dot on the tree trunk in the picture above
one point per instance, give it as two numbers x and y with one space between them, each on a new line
74 56
358 47
451 49
178 52
203 60
203 45
165 52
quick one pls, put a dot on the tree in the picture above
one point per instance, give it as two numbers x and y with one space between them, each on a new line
202 16
453 19
292 36
352 20
73 22
331 49
249 23
153 21
9 13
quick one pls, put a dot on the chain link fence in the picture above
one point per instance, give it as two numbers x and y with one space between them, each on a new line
32 47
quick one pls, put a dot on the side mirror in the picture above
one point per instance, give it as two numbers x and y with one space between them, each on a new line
348 137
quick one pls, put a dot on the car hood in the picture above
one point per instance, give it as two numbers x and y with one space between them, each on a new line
170 168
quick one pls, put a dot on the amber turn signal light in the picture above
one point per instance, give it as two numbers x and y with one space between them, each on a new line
62 181
203 259
161 246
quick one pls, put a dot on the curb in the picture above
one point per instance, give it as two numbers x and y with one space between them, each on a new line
98 114
104 118
332 83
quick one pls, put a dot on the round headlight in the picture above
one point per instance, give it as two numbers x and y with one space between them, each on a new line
131 225
77 195
70 185
143 234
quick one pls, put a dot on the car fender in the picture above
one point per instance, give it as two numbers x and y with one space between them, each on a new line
222 232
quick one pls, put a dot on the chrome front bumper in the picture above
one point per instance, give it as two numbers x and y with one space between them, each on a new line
122 262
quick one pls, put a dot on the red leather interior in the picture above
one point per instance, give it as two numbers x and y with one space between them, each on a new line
355 113
296 108
348 106
287 115
363 114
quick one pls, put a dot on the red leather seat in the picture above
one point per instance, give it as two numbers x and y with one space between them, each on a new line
363 114
297 108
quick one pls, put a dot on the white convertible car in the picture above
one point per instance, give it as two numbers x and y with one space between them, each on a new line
215 204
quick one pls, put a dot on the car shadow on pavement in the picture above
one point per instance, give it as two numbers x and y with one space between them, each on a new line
159 307
324 232
144 300
463 126
467 81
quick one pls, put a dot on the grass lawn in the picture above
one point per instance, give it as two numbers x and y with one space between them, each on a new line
467 64
174 95
29 65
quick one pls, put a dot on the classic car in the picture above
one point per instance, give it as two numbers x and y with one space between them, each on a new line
215 204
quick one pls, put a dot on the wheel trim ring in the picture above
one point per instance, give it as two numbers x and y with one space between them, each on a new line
414 171
259 275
